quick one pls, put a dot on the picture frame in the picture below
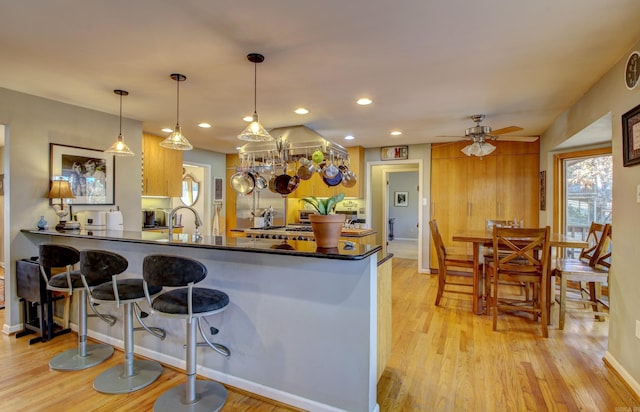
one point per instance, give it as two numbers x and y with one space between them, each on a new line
631 137
543 190
401 199
394 153
90 172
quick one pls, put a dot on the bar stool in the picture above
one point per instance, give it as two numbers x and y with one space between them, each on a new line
190 303
104 266
70 281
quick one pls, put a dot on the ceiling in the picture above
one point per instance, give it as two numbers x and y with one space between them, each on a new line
427 64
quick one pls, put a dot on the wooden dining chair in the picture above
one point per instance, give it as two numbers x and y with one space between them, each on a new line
586 257
447 262
521 255
593 272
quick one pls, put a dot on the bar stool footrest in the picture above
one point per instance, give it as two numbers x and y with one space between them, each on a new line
210 396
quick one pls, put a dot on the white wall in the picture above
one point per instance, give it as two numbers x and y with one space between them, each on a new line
610 95
31 124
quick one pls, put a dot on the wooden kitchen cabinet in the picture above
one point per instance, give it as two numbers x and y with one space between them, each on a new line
466 191
161 168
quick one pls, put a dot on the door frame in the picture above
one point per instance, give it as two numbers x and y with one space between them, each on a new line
386 167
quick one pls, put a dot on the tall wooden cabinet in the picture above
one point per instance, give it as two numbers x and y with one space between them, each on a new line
466 191
161 168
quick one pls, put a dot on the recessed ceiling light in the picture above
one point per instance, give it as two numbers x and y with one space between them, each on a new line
364 101
396 133
167 130
248 118
301 110
204 125
349 137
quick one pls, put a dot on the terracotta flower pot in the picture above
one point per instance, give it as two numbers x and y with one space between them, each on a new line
327 229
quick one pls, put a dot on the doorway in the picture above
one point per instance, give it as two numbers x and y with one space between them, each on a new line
379 195
402 210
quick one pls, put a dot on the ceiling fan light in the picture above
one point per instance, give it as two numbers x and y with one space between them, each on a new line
254 132
486 149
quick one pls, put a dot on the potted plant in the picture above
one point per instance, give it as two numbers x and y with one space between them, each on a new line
326 224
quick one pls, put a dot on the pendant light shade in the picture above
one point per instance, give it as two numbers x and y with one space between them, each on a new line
478 148
254 132
176 139
120 148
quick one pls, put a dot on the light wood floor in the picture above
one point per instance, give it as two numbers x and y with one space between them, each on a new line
444 359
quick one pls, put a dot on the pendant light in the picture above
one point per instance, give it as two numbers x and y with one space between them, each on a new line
254 132
120 148
176 139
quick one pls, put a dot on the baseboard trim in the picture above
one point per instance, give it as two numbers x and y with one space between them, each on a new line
631 383
246 385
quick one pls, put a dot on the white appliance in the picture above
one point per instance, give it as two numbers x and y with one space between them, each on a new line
113 220
93 219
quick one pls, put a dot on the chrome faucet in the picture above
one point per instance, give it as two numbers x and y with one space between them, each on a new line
198 221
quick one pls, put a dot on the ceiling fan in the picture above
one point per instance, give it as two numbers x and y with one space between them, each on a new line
479 135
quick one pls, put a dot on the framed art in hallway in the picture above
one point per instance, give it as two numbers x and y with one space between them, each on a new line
401 199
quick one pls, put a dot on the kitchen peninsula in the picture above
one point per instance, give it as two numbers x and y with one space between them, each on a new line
301 325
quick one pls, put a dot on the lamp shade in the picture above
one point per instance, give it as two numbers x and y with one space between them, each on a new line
60 189
478 149
254 132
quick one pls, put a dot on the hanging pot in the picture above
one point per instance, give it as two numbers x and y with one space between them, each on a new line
306 169
334 181
260 182
272 184
243 183
282 184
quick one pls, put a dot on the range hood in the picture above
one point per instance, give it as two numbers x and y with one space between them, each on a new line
293 142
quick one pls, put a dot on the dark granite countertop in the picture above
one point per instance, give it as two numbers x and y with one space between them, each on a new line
271 246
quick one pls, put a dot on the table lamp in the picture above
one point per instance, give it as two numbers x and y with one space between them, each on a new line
60 189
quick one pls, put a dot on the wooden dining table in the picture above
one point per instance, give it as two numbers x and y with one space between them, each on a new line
480 238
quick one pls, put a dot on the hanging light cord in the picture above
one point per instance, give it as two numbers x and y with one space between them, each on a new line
178 102
255 87
120 114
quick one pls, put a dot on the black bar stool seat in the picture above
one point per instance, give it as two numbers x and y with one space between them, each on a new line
192 304
70 281
105 266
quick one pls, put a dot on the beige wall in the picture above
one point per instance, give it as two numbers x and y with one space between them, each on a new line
31 124
609 95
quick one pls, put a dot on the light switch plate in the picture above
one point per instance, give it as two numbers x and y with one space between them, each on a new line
638 329
638 194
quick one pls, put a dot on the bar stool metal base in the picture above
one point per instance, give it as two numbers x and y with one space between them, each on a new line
210 396
114 380
71 360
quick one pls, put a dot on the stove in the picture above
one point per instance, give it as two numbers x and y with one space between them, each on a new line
290 232
302 228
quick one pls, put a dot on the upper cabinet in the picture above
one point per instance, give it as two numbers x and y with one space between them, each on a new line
161 168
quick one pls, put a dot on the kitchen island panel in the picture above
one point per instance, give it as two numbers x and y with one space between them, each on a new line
301 329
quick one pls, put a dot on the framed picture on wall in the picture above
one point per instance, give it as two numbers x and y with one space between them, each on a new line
401 199
90 172
394 153
631 137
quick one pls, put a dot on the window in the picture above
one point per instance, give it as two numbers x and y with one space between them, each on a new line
586 195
